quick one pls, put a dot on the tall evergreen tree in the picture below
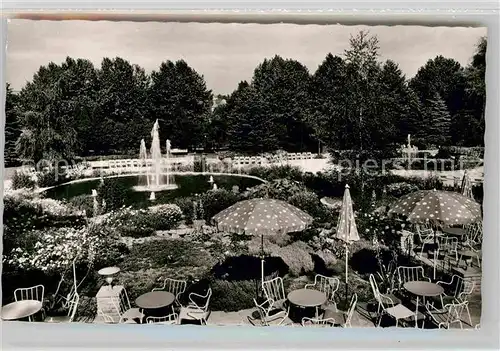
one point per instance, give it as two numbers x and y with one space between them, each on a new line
437 121
282 86
182 103
12 130
250 128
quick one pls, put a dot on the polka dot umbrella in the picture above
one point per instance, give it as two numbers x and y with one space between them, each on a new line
445 207
438 207
262 217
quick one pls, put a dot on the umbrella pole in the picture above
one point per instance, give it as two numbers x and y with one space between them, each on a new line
346 270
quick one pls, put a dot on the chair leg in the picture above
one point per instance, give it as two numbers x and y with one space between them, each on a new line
397 320
468 314
379 320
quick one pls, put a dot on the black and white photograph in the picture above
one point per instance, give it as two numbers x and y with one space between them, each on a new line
223 174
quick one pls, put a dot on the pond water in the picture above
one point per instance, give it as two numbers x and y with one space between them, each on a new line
187 185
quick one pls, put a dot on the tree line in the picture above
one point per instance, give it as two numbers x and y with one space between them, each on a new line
355 102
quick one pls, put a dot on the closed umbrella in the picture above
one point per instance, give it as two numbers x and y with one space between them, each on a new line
439 207
347 230
466 188
262 217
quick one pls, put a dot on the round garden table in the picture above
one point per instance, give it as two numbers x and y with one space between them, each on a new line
424 289
21 309
457 232
307 298
155 300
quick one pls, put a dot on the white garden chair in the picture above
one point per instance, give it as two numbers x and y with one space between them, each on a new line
36 292
275 291
171 319
197 308
174 286
340 317
123 309
269 316
387 304
408 274
72 307
327 285
448 245
426 237
457 290
448 315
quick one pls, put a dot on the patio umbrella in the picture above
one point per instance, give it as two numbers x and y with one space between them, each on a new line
466 188
347 230
262 217
438 207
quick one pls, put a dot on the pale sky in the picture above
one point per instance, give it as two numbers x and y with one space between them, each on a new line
224 54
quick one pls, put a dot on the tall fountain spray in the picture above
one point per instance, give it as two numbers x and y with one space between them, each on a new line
155 156
158 175
143 157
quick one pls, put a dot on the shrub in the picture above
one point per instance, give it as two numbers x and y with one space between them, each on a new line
83 203
52 177
229 296
277 172
22 180
309 202
171 253
280 189
214 201
400 189
296 256
165 217
113 192
187 208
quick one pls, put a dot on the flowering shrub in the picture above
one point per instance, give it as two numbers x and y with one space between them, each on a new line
142 222
55 249
54 207
309 202
281 189
380 226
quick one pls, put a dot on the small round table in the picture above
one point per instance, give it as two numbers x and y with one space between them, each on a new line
457 232
424 289
20 309
307 298
155 300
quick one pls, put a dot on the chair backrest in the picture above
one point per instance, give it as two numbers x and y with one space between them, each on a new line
352 308
373 283
202 301
318 322
122 303
73 307
173 317
461 287
327 285
175 286
448 243
32 293
407 274
274 289
474 231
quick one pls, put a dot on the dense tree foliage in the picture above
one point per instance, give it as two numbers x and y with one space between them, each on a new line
351 102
